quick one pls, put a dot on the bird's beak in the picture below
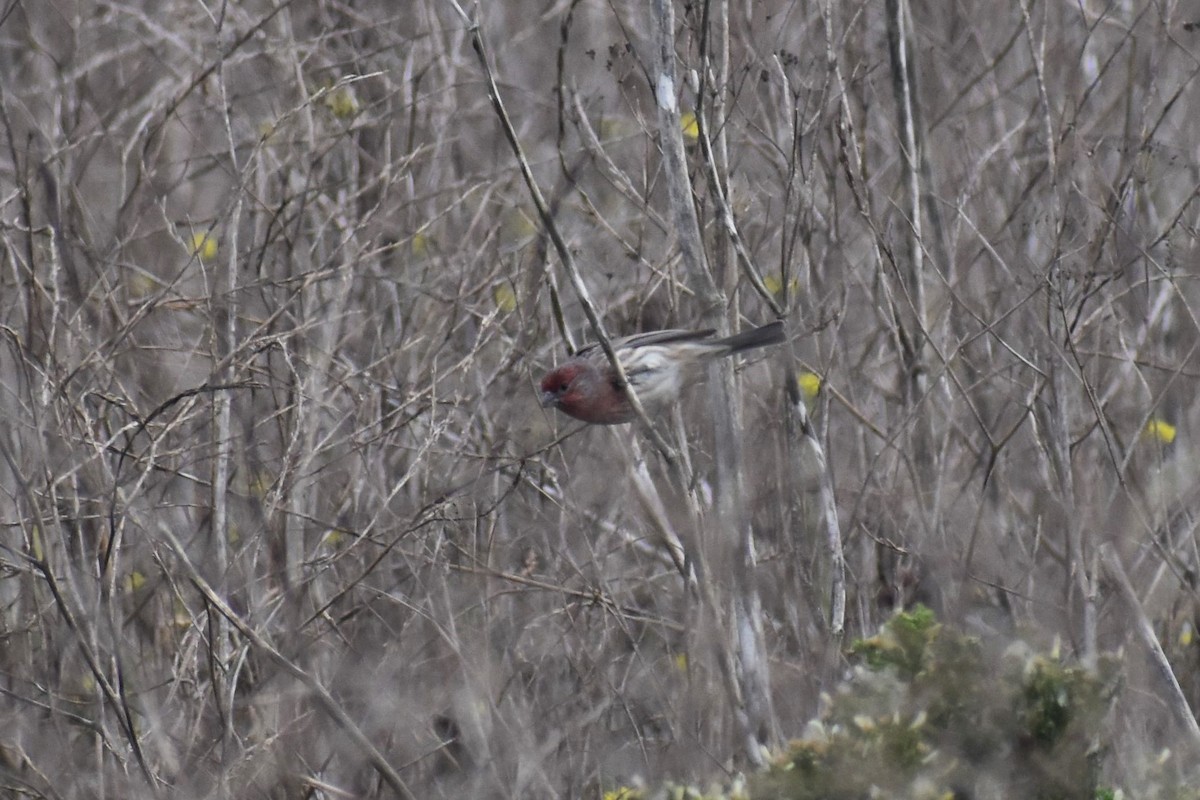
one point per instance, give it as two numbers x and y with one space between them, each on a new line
549 399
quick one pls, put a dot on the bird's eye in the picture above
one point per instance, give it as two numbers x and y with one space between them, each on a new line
562 387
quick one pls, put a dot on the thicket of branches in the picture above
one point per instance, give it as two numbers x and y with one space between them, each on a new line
281 514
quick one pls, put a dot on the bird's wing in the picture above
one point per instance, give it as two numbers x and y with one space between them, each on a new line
648 338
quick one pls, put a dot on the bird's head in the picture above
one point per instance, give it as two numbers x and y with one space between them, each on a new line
564 387
586 392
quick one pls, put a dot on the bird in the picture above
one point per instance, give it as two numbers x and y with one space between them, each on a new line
658 364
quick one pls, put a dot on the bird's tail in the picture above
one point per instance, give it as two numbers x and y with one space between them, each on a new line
769 334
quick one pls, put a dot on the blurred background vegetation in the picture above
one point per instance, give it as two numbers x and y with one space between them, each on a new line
281 514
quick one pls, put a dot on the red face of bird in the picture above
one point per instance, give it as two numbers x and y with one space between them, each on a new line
579 389
561 386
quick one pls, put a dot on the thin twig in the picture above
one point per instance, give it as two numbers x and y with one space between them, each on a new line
324 698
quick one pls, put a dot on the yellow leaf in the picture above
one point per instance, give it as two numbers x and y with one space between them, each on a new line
810 384
691 127
204 246
182 618
681 662
518 226
506 298
342 102
622 793
613 128
259 484
774 284
1160 430
141 284
135 581
36 543
419 245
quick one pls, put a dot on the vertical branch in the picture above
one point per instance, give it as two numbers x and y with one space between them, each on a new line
1058 425
224 305
749 686
914 277
714 82
305 387
686 226
1060 286
804 440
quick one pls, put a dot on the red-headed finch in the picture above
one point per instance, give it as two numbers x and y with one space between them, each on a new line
658 364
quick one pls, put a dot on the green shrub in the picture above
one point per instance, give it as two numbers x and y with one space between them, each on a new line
929 713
